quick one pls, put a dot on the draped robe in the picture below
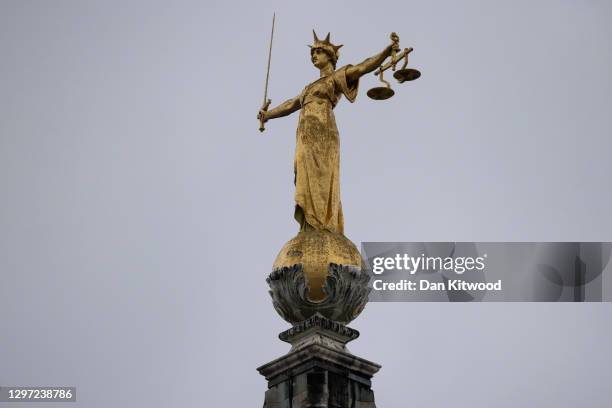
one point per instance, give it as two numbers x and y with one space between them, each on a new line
317 153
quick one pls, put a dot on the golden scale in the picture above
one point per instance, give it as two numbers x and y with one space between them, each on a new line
402 75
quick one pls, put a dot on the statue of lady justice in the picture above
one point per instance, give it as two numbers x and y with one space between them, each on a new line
318 208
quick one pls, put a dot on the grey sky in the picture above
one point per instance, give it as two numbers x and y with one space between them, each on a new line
141 209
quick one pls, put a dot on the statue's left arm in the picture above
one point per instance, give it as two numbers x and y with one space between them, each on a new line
354 72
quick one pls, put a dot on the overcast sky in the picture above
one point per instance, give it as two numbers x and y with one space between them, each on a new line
141 210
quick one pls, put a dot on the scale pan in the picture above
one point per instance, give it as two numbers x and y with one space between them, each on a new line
406 74
381 93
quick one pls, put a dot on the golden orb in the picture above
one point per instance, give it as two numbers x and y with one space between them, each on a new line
315 250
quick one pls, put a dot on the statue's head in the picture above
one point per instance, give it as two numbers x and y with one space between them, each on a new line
323 52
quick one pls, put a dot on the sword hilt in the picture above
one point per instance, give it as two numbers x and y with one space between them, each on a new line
264 108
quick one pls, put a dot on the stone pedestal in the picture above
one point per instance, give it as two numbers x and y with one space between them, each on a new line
319 370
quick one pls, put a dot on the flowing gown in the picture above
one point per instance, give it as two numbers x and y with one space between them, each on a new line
317 153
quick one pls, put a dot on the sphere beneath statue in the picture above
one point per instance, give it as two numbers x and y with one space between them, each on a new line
315 250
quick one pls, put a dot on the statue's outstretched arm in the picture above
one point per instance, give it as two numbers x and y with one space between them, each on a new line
284 109
353 73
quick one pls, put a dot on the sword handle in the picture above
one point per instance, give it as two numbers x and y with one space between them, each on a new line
264 108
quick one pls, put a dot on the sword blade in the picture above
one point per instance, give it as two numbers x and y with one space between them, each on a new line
269 60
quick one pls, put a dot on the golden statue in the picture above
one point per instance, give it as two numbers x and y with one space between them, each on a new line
318 281
318 208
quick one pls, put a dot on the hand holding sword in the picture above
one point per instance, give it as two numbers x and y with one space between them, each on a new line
266 102
262 114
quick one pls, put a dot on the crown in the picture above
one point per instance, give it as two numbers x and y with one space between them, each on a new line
326 45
